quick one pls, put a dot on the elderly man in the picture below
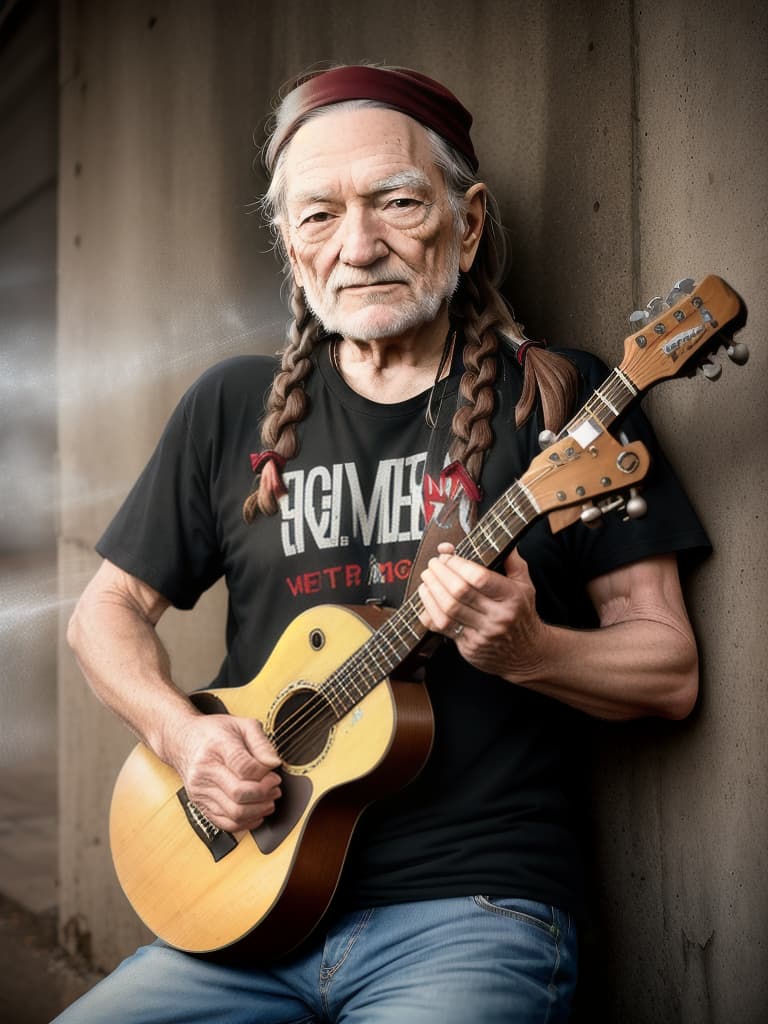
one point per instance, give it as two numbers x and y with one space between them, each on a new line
404 381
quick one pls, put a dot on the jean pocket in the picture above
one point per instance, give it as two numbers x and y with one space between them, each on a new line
538 915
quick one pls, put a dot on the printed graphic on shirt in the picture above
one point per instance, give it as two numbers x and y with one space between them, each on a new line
325 508
349 576
320 500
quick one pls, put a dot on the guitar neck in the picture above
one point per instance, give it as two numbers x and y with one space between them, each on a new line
402 633
606 403
559 477
488 540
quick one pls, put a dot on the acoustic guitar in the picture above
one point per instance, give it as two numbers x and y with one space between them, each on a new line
347 728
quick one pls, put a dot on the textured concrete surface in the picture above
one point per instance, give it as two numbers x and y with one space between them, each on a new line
28 834
39 979
627 145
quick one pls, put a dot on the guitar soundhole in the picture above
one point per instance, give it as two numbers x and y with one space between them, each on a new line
301 728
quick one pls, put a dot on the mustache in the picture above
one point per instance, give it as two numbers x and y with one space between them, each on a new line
347 278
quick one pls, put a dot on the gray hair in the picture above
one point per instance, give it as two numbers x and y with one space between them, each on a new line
457 173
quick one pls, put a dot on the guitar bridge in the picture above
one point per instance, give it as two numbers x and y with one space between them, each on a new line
218 842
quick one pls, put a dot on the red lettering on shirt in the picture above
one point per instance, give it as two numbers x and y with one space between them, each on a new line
332 575
403 568
311 582
295 586
353 575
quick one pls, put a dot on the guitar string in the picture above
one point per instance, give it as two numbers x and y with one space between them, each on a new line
359 674
385 638
493 536
351 669
295 726
612 396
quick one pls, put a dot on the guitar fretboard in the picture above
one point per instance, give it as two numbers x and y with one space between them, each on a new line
391 644
607 402
491 536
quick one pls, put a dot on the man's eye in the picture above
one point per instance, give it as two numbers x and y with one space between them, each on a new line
404 203
316 218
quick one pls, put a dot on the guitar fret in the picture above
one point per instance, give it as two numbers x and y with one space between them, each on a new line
469 542
350 684
608 405
517 498
607 401
388 644
630 387
483 529
329 691
371 663
414 632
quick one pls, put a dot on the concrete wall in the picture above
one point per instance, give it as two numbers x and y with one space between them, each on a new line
28 171
626 142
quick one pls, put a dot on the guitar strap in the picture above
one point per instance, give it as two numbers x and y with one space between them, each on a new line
450 496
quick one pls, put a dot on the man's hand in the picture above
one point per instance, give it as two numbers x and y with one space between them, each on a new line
491 618
228 767
640 661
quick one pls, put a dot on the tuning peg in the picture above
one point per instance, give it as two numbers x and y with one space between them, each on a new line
591 515
656 306
711 370
737 352
679 289
546 438
684 285
637 506
639 319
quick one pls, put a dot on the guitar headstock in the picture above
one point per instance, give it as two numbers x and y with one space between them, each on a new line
683 332
568 474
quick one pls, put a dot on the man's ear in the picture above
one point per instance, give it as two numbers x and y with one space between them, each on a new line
474 220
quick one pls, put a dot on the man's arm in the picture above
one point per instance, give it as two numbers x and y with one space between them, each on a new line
641 661
226 763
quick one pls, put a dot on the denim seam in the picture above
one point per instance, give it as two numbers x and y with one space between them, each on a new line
485 903
552 987
327 973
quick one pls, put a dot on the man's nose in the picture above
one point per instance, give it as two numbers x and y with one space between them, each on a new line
362 241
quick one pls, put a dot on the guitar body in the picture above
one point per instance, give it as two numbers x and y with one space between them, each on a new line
200 889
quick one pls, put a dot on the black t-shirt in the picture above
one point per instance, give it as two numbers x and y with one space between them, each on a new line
496 808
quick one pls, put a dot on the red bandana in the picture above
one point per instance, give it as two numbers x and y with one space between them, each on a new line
422 98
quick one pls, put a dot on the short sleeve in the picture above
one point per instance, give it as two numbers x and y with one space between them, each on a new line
165 532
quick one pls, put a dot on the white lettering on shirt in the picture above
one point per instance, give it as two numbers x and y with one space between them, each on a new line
320 499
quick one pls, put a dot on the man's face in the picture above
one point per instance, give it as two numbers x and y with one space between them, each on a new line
370 233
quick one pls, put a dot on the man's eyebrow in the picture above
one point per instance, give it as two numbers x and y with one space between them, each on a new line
402 179
311 196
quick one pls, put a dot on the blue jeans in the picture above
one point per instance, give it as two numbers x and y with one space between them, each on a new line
448 961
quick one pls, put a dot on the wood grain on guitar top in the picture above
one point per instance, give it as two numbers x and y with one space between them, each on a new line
200 904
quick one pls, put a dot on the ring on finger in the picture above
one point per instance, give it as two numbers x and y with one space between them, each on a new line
458 629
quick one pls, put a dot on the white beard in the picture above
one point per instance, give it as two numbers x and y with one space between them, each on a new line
382 316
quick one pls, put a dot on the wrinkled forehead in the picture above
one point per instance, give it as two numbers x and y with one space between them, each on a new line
360 147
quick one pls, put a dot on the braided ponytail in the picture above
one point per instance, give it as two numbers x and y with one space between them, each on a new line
548 378
287 405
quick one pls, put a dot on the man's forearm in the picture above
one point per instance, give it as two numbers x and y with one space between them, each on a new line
112 633
622 671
